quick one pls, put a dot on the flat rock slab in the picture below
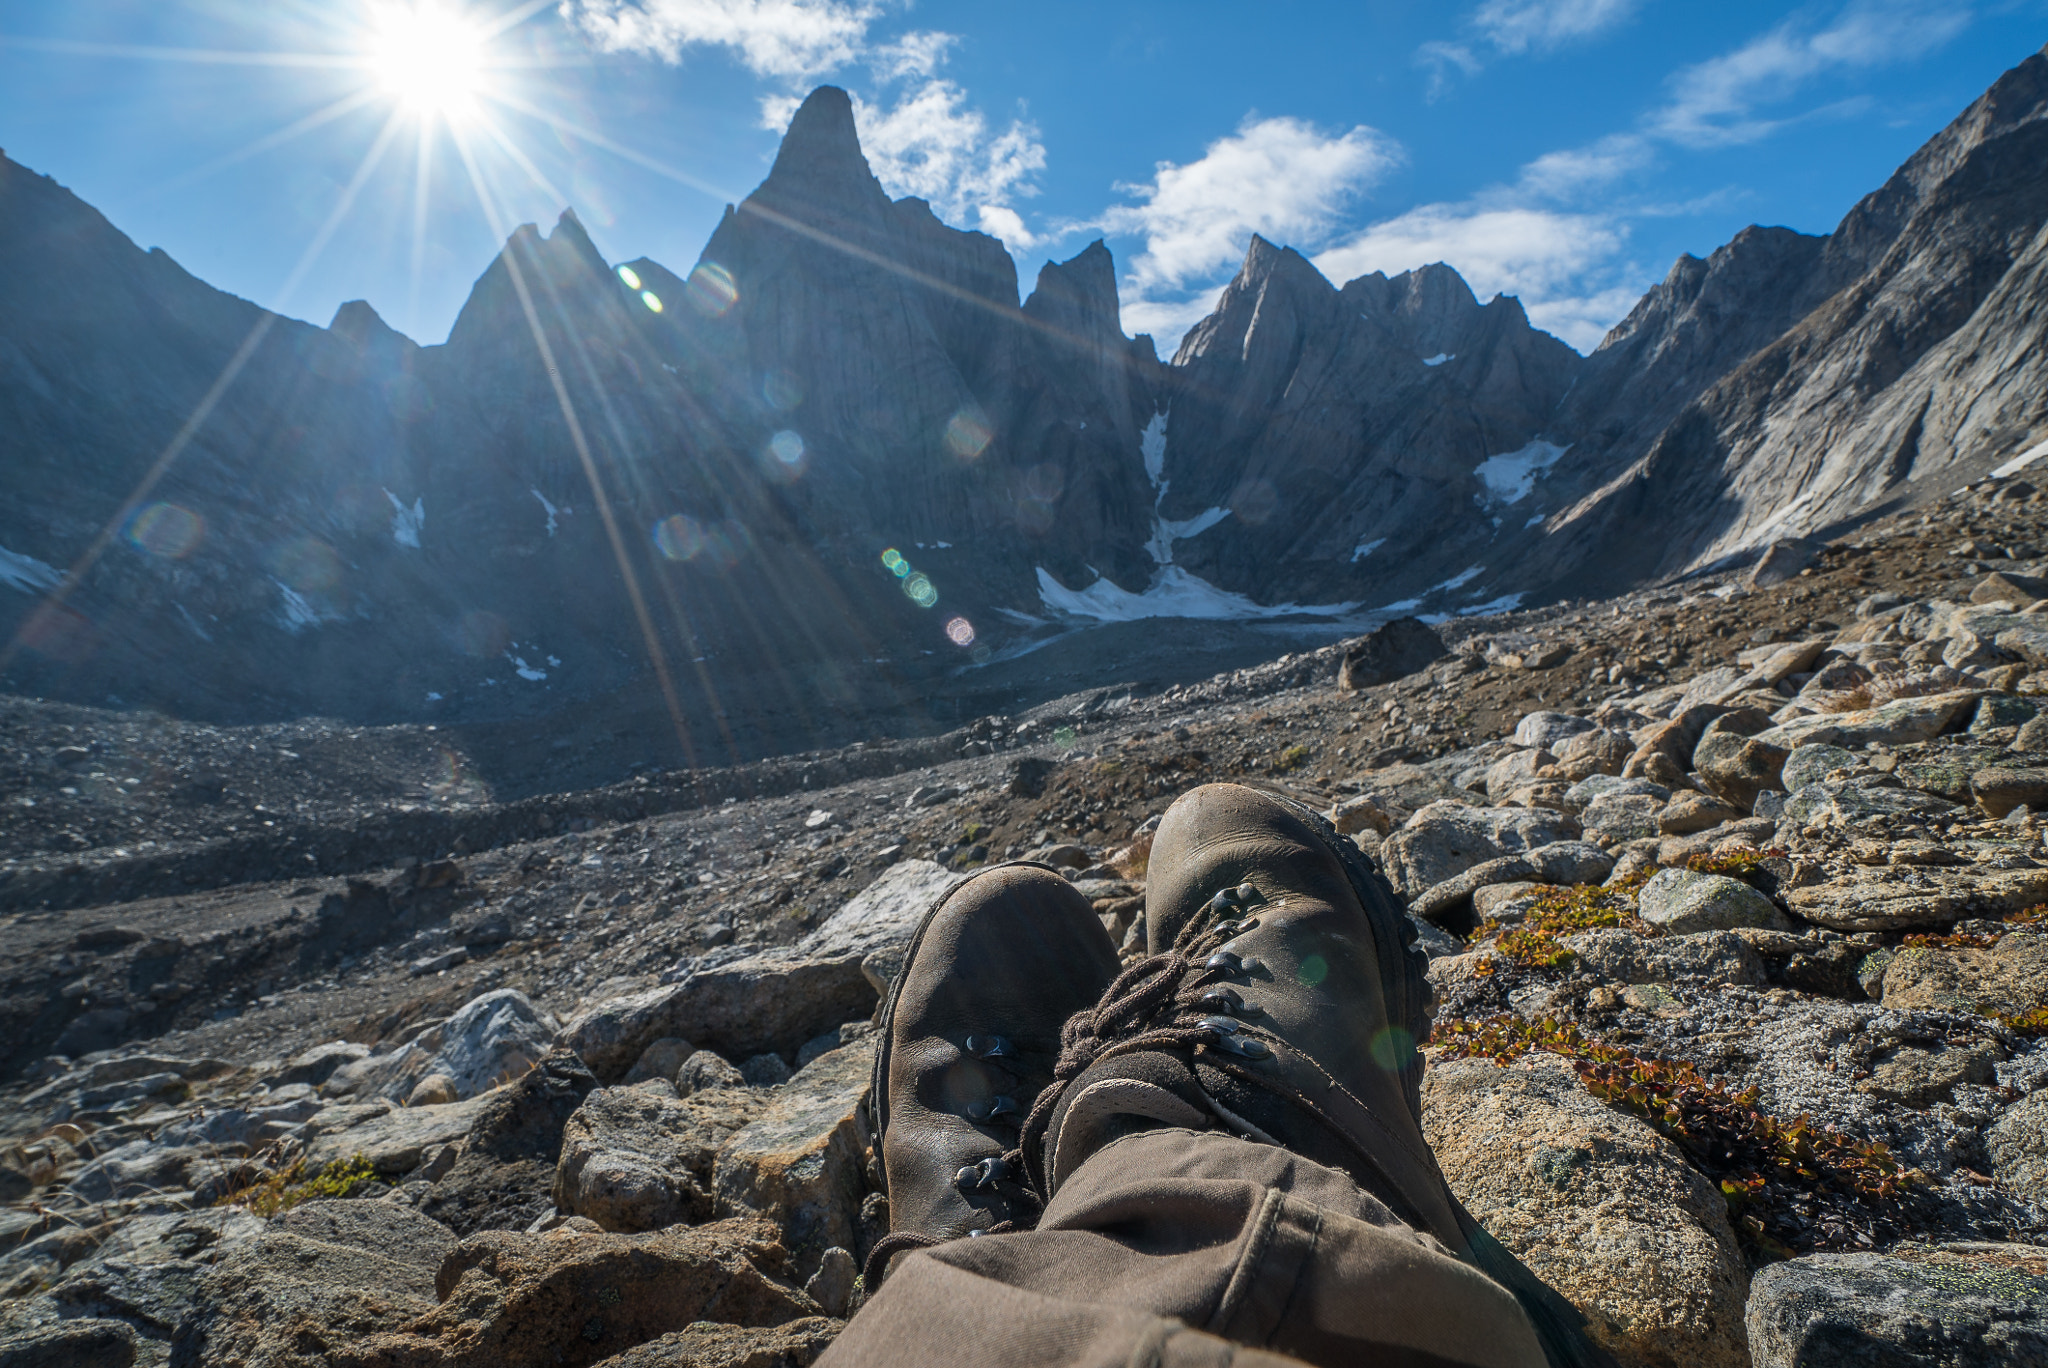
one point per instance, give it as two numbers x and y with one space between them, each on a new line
1899 899
1959 1306
1710 958
877 923
395 1141
2009 978
1683 901
1895 724
1597 1204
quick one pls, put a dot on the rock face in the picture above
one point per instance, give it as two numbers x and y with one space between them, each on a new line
1967 1305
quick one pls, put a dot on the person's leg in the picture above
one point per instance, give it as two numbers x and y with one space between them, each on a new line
1232 1153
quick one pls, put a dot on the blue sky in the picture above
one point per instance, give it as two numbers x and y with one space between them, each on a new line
1565 151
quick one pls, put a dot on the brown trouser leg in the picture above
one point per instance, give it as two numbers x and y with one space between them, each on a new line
1176 1248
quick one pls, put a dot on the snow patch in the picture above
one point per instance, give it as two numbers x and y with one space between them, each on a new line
2021 461
1166 532
552 510
1537 518
1404 606
1174 593
297 614
433 698
1366 548
1506 603
1509 477
1438 359
407 522
1152 447
26 573
524 670
1459 580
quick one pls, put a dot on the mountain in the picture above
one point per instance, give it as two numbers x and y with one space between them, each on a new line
798 493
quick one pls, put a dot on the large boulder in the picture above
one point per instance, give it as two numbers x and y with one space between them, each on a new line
1598 1205
803 1160
504 1177
495 1036
1894 724
1588 753
514 1300
1998 791
1445 839
1904 899
877 923
1735 768
1546 731
393 1141
1389 652
2006 979
2018 1145
767 1003
1681 901
1709 958
627 1161
1960 1306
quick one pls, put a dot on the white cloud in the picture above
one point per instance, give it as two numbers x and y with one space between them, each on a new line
921 135
932 144
1714 103
1548 260
1518 26
1565 174
1513 28
1281 178
790 39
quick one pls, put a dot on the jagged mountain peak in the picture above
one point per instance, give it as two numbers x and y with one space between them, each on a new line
1080 291
820 161
357 322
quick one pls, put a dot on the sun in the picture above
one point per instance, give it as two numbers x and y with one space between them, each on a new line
429 57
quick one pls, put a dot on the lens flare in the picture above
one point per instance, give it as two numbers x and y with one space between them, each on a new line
960 632
1390 1046
782 391
920 591
787 447
630 276
651 300
306 564
166 531
679 537
967 436
712 290
429 56
893 560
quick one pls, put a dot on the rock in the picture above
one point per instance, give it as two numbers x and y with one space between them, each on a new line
1028 774
1710 958
707 1344
1999 791
1515 770
379 1227
1391 651
1675 740
706 1070
1615 818
1962 1306
1362 813
1811 764
1736 768
1571 862
1592 752
2003 710
802 1161
432 1090
1851 804
1445 839
495 1037
931 795
140 1168
317 1064
289 1298
512 1300
395 1141
81 1343
768 1002
1914 1077
1781 561
1597 1204
627 1162
831 1287
2033 736
1904 898
2006 979
1582 794
1691 812
663 1058
764 1070
2018 1145
1894 724
1543 730
1678 901
1065 855
1495 899
504 1176
1450 903
877 923
2014 588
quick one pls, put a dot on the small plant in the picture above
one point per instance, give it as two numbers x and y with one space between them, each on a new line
2034 1023
1293 758
287 1188
1788 1185
1533 942
1736 864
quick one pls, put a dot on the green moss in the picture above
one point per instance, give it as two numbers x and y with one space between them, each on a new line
284 1190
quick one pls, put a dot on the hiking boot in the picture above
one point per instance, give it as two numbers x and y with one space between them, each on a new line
969 1038
1282 1004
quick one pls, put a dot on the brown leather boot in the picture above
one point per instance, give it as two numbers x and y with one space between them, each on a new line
1283 1003
969 1037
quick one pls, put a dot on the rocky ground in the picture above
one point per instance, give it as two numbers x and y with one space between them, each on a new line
1734 892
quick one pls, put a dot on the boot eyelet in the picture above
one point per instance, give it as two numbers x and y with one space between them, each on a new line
1250 1047
994 1109
1221 1025
1223 959
990 1047
985 1174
